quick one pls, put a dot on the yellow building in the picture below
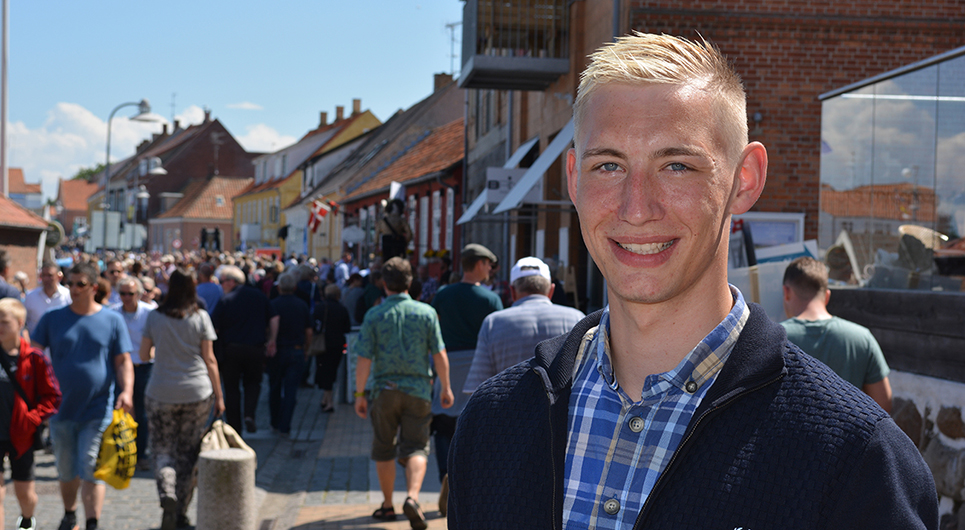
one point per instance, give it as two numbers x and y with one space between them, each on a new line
259 216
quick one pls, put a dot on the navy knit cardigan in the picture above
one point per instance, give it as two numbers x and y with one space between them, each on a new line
779 442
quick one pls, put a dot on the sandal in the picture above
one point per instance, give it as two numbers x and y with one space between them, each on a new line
385 514
412 510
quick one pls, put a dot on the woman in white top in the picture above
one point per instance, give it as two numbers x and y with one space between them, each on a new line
183 388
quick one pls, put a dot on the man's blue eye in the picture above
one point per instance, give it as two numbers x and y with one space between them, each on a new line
677 166
610 166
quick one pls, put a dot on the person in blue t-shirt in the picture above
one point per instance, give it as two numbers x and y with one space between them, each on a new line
89 349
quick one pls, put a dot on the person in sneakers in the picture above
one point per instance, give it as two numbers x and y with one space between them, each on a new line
28 398
183 390
89 350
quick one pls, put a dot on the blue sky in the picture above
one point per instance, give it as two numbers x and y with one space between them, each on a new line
264 68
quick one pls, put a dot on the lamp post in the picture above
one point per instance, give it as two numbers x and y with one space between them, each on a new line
143 114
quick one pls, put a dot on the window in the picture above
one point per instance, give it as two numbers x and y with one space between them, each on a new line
892 199
436 220
450 216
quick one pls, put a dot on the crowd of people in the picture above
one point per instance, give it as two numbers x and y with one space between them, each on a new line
179 339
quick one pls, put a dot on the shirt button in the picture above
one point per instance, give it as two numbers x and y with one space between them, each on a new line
690 387
636 424
611 506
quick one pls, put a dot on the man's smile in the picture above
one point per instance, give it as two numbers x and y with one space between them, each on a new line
646 248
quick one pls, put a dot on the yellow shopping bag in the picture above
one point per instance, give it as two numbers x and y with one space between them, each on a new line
118 455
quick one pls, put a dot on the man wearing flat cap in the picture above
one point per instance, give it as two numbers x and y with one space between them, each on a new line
462 307
510 336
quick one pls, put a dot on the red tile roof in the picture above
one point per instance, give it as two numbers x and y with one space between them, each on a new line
16 183
441 149
13 215
200 199
73 194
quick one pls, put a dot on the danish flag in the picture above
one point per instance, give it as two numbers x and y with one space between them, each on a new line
319 210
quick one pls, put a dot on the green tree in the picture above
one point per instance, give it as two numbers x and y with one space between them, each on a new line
87 173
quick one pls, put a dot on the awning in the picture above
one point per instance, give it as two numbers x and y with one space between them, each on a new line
473 208
522 151
512 162
538 169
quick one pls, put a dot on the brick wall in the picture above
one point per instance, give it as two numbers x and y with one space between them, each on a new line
790 52
21 247
196 160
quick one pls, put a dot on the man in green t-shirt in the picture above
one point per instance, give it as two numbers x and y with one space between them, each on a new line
849 349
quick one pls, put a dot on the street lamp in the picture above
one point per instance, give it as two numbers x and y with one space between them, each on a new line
144 114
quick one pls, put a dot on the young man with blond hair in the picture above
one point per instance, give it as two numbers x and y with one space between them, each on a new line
679 405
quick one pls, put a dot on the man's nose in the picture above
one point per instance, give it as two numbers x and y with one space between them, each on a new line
640 198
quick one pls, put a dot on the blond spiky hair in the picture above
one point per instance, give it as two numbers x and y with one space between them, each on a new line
643 58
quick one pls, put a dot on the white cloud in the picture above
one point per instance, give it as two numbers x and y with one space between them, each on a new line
70 139
261 138
193 115
245 105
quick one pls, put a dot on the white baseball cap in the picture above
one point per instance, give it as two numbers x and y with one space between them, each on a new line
529 266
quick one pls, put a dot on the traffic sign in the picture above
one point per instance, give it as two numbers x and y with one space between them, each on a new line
176 243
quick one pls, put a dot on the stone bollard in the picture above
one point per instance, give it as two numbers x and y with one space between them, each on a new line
226 490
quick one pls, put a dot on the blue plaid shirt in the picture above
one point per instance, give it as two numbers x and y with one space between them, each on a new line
618 446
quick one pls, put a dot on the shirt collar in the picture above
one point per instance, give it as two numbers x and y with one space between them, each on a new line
697 368
536 298
400 296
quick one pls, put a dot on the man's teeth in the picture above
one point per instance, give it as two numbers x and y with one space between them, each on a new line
647 248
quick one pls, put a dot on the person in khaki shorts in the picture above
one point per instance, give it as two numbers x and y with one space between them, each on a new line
397 340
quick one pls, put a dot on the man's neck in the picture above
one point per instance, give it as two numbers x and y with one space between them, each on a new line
650 339
815 310
50 291
85 307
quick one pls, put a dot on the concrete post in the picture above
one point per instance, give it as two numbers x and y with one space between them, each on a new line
226 490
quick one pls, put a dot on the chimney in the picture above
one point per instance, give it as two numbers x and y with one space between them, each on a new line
339 113
356 106
177 125
164 129
441 81
323 119
207 115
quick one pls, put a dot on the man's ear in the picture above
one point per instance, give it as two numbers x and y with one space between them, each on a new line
572 174
787 293
827 297
750 178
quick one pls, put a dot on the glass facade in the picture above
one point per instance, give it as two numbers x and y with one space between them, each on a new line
892 208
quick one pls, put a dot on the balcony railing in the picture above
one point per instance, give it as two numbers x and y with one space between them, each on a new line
514 45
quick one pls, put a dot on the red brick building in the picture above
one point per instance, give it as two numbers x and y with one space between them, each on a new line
186 154
522 64
204 209
72 198
20 231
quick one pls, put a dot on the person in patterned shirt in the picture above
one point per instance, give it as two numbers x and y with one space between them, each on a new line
398 339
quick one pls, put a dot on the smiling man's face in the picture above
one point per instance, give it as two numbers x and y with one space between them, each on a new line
654 188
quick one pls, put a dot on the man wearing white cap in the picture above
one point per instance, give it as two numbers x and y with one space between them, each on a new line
510 336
